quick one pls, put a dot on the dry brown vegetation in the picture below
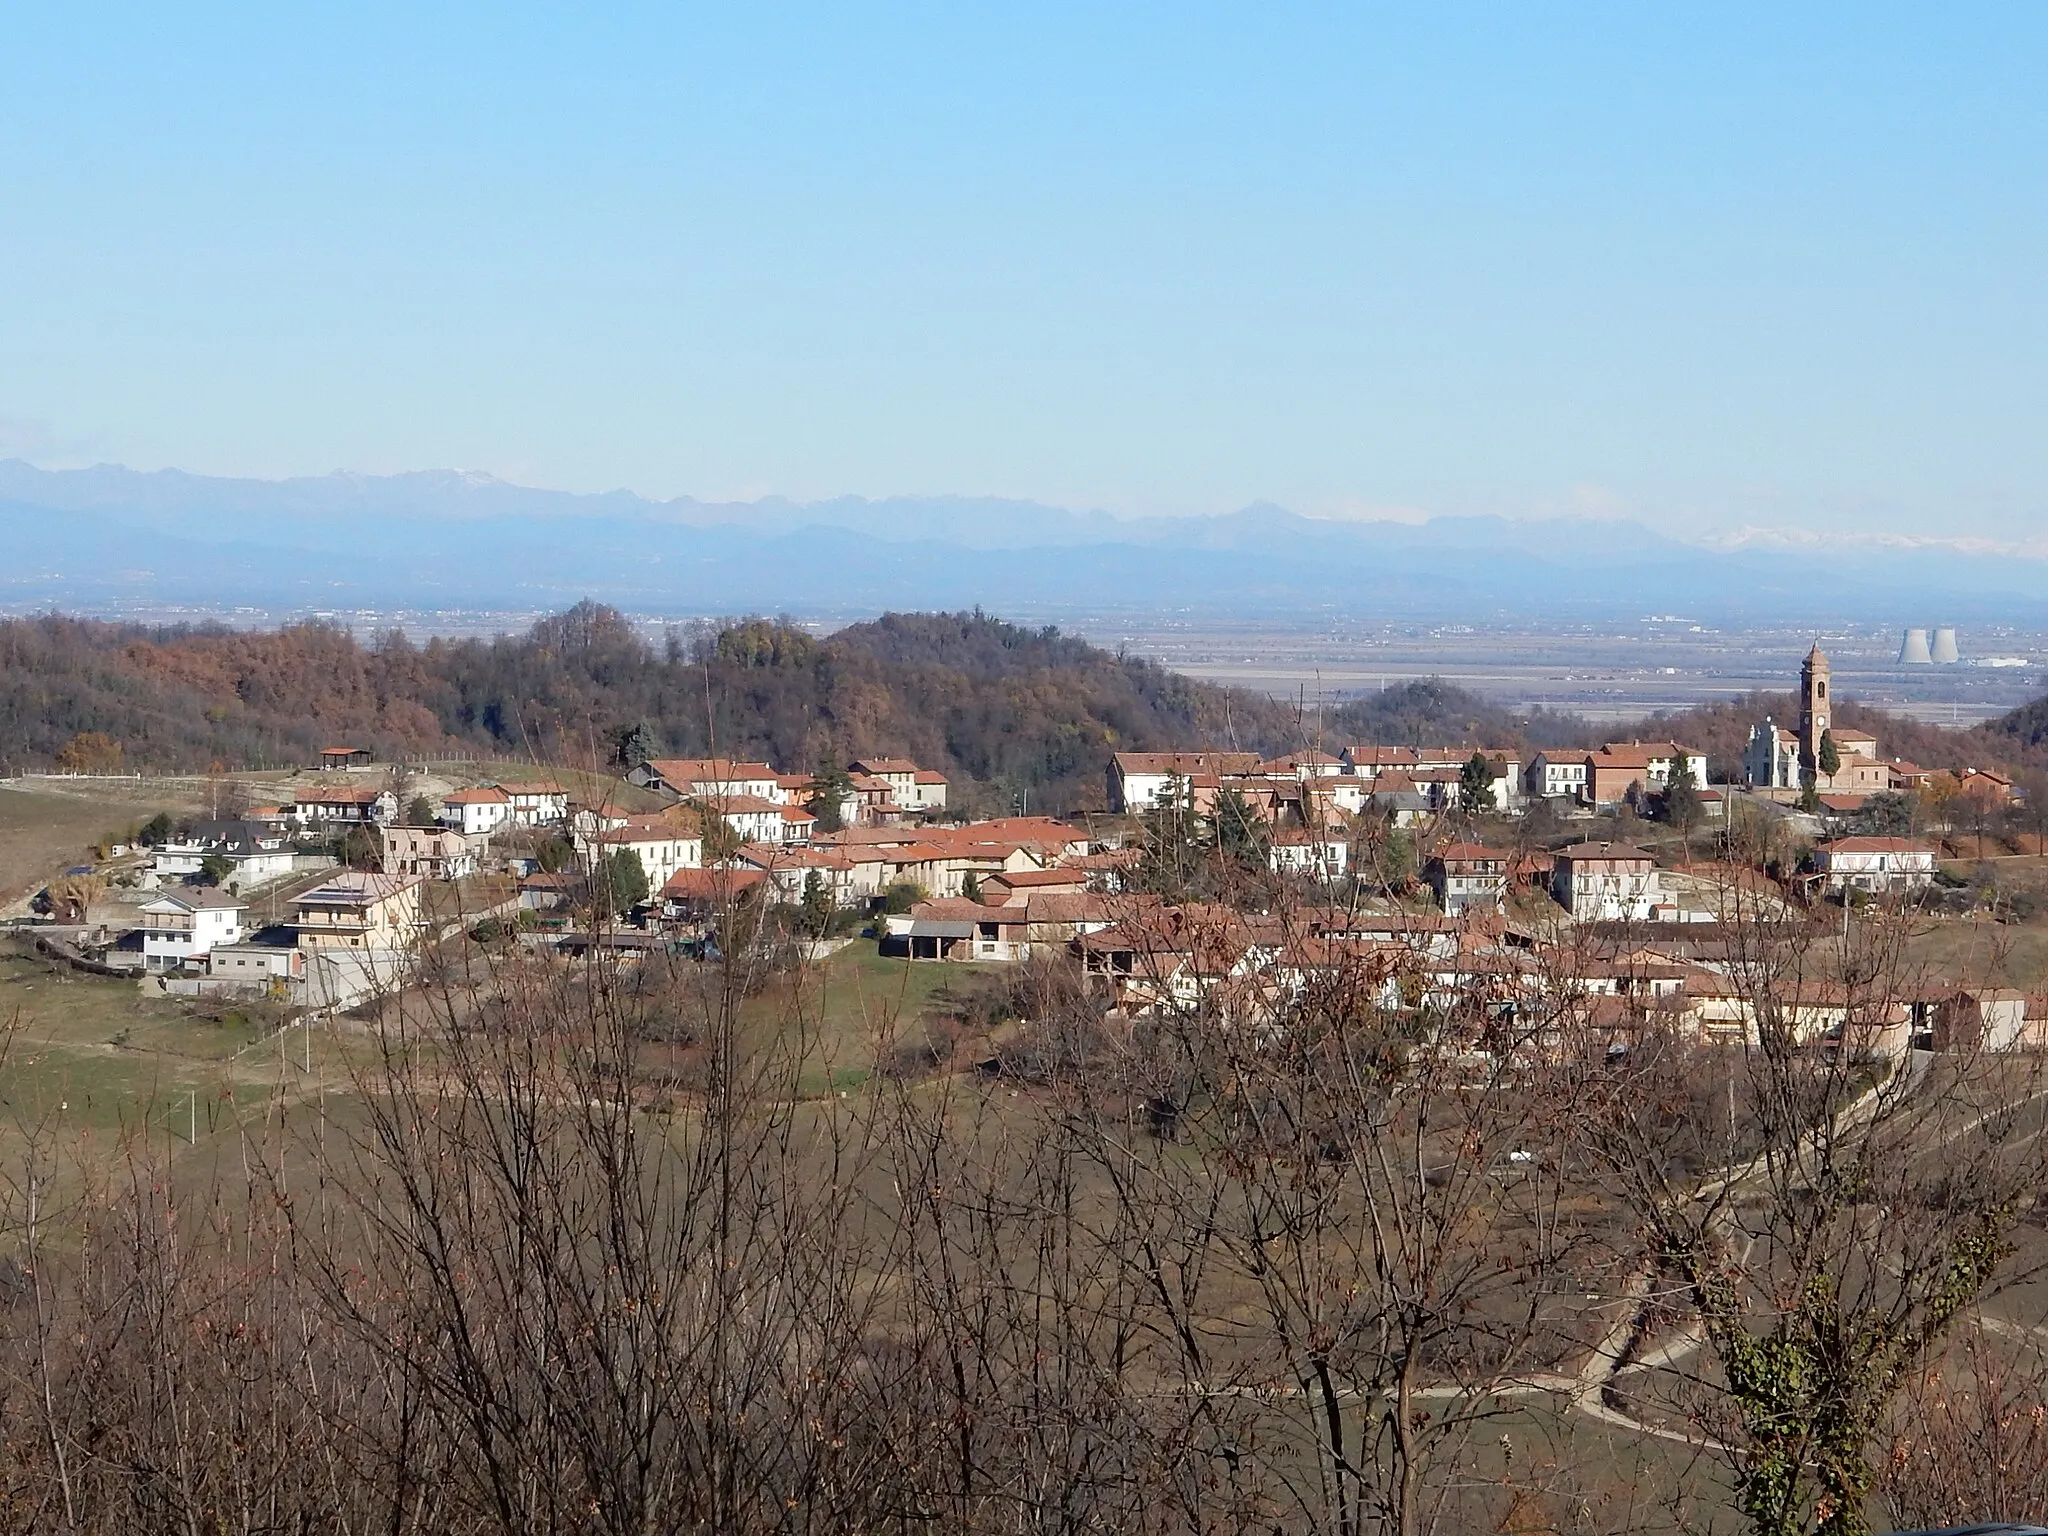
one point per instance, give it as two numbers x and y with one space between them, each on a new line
593 1245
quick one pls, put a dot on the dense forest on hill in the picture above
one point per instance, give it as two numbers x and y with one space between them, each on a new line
981 699
1430 711
1010 708
2024 731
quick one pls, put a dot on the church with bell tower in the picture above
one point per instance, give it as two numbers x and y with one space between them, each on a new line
1780 759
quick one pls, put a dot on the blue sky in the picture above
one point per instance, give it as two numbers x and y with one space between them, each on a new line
1712 267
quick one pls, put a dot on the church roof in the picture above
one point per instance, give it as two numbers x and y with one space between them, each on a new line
1816 655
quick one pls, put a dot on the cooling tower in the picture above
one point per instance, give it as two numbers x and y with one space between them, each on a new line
1945 646
1913 652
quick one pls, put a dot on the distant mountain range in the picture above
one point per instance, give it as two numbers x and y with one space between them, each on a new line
110 537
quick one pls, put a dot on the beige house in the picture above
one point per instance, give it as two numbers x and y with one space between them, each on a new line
789 870
359 911
435 853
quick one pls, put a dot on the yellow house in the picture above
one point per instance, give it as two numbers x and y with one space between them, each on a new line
359 911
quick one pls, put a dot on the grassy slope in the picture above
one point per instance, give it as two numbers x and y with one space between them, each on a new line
43 831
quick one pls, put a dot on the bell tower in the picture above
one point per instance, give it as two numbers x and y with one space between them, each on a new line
1816 710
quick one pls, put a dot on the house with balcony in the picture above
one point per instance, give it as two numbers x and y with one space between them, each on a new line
542 804
183 927
434 853
1311 853
1138 779
1469 877
1879 865
337 809
1597 882
476 812
357 911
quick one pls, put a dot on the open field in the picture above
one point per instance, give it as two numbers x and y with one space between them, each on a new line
1604 672
44 829
203 1090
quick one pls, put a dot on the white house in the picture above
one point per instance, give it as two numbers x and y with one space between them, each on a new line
324 808
1604 881
1313 855
1875 864
475 812
696 778
759 820
257 852
1554 775
912 788
1504 778
663 843
537 805
1304 765
186 925
1136 779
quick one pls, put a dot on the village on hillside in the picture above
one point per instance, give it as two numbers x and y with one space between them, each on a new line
1610 875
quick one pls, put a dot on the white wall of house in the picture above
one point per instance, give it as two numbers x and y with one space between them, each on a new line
1599 891
1882 870
1320 858
176 930
538 807
475 818
1551 776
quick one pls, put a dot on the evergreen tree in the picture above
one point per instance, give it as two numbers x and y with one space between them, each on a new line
358 848
830 789
1475 785
1681 803
1240 832
1397 858
970 887
624 879
818 905
1829 758
1169 842
636 744
420 813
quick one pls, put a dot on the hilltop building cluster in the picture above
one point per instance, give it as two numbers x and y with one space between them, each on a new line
1843 767
881 837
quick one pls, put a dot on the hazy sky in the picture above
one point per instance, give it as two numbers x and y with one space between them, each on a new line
1708 265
